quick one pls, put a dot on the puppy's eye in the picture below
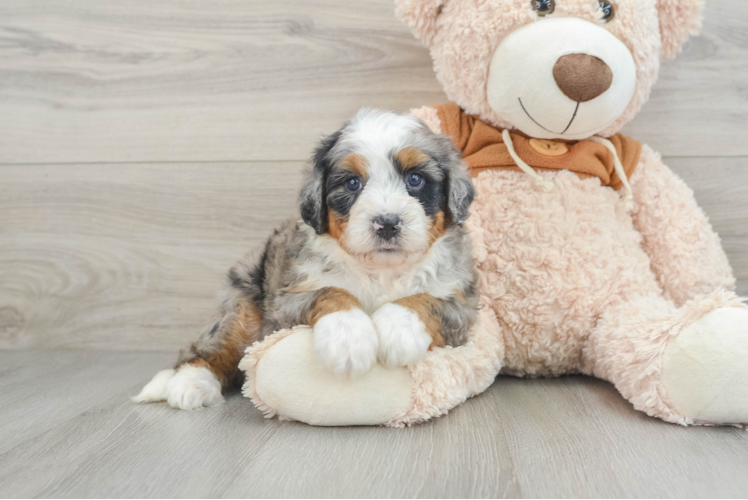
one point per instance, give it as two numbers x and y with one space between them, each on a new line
415 181
543 7
608 11
353 184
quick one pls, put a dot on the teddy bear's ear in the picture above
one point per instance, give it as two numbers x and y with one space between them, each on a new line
679 19
420 16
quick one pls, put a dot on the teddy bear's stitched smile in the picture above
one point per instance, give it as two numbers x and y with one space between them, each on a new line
539 125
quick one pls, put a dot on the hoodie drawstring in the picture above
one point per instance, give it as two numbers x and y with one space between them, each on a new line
547 185
629 197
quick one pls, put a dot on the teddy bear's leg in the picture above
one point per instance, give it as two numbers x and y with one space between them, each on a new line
307 391
685 365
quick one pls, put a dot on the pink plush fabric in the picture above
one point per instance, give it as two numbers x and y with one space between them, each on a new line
463 34
626 346
569 277
446 377
430 116
421 16
577 282
678 20
248 365
554 262
685 252
581 285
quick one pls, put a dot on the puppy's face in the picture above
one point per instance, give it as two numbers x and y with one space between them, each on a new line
385 187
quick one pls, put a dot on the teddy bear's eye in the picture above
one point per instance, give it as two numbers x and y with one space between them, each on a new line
607 9
543 7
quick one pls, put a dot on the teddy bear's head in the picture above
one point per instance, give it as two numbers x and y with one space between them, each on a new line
553 69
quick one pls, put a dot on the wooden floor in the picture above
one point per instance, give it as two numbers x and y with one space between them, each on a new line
68 429
145 146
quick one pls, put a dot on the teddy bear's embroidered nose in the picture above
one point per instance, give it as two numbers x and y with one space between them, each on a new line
582 77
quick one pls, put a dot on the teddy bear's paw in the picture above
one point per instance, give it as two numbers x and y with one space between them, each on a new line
346 341
402 335
704 368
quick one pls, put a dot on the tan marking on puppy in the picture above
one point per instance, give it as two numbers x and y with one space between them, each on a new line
427 309
199 363
300 288
356 164
332 299
437 227
238 335
336 224
411 157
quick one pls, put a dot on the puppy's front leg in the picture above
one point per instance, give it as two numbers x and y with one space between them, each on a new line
412 325
344 336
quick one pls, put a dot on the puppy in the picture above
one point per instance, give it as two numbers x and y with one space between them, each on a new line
380 267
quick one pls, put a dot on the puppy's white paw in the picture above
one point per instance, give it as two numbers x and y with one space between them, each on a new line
193 387
155 390
402 335
346 341
187 388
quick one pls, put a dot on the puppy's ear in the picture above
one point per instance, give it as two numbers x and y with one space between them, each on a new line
459 186
420 16
312 196
679 19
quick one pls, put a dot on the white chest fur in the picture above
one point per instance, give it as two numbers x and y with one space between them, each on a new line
374 287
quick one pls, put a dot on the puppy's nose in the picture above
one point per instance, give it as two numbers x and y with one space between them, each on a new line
582 77
386 226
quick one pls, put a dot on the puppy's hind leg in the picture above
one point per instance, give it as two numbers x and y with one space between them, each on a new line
210 366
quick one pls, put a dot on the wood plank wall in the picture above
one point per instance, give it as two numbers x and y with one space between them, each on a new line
144 146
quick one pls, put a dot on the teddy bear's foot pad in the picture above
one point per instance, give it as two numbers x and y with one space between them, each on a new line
705 368
307 391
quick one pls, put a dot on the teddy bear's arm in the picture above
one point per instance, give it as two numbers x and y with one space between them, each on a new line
685 252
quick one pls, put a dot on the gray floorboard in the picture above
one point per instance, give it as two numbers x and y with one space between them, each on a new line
567 437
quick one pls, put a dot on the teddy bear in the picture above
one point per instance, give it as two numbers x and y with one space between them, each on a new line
594 257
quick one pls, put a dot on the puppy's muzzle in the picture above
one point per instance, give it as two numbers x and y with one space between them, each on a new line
387 227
